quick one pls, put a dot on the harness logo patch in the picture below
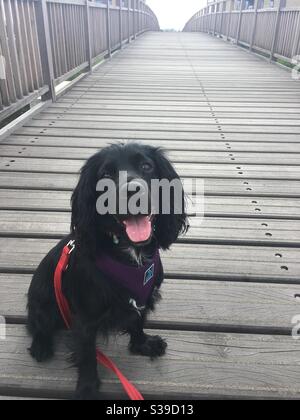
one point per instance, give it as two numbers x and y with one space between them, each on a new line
149 274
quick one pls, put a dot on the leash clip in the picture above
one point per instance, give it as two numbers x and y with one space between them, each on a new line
71 247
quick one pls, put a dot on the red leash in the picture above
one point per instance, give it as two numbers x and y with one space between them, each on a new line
64 308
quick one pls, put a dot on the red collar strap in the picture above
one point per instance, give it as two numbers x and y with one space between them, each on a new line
64 308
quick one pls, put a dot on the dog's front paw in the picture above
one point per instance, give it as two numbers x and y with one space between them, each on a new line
41 350
87 392
151 346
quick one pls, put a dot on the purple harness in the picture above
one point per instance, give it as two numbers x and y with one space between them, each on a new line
138 280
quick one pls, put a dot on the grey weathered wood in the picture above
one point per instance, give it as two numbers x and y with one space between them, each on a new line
45 47
279 40
19 121
142 126
108 28
207 230
172 145
193 156
267 362
167 120
275 30
129 28
132 134
237 271
217 206
27 100
45 43
212 186
197 170
121 22
13 48
256 4
88 36
221 262
6 53
206 304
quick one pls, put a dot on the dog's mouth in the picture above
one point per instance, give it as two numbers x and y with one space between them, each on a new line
138 228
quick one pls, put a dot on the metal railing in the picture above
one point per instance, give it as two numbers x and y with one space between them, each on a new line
274 33
45 42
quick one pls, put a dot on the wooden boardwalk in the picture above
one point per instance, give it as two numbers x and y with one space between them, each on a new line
225 116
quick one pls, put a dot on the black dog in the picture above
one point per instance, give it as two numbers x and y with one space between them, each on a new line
110 252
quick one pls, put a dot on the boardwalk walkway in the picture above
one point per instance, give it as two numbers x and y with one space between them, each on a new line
225 116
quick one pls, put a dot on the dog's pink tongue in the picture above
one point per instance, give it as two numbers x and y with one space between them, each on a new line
138 228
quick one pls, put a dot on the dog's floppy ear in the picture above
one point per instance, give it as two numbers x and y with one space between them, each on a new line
84 213
169 226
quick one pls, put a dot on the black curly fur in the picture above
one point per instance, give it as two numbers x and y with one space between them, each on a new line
98 305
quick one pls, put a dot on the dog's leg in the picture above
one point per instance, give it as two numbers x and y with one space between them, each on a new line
146 345
85 359
42 327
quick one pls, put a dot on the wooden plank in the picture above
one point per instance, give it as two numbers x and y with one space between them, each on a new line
193 170
220 262
157 108
186 128
238 365
238 270
207 230
178 121
253 207
199 146
160 135
162 112
227 187
194 156
264 97
213 305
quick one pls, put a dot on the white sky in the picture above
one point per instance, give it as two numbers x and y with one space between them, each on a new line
173 14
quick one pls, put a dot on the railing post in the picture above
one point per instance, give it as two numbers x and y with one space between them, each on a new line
222 18
88 36
138 17
229 20
275 35
238 32
108 28
215 21
254 26
134 19
297 38
129 29
45 48
121 23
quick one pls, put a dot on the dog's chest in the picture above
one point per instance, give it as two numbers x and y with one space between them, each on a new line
139 282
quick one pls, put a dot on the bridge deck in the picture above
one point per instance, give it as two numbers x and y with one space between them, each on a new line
224 115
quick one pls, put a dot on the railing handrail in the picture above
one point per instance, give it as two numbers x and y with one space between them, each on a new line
274 32
44 42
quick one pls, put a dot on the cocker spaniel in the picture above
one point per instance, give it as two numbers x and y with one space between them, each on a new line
115 271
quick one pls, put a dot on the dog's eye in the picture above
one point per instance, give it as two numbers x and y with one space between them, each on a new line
146 167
